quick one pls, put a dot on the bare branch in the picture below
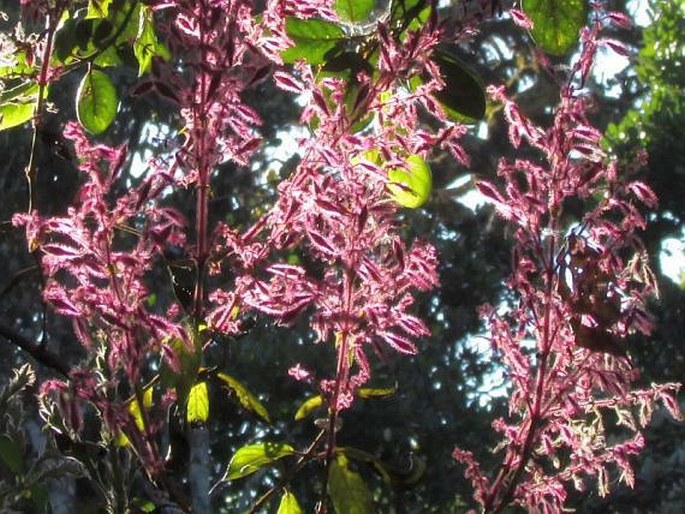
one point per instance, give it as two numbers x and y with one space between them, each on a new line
37 351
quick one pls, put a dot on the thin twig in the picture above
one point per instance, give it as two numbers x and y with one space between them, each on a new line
304 458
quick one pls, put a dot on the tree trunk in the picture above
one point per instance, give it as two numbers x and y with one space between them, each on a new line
199 469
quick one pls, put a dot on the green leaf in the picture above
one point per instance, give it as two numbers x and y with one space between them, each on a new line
91 37
134 410
346 65
411 186
354 10
198 403
65 40
362 456
404 478
347 489
355 100
130 15
251 458
14 114
189 360
309 406
15 65
98 9
134 407
79 38
11 455
83 30
17 105
146 46
110 56
289 504
556 23
183 274
312 38
19 93
96 102
411 13
143 505
367 392
463 97
245 398
102 32
406 9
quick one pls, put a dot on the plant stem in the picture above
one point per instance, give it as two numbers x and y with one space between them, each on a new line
304 458
496 503
52 20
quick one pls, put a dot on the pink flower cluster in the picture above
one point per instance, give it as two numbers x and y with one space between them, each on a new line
335 208
581 286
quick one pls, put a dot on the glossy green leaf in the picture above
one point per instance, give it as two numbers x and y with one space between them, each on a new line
146 46
354 10
96 102
134 407
98 8
309 406
463 97
197 408
246 399
411 186
556 23
312 38
251 458
11 455
289 504
347 489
